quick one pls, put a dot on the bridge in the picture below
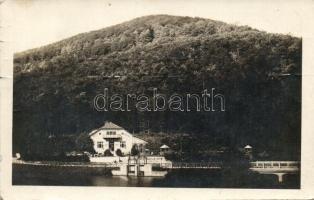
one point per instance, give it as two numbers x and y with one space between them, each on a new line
279 168
189 165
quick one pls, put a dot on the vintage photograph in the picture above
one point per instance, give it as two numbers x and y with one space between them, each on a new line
171 98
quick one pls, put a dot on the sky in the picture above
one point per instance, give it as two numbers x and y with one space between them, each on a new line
33 23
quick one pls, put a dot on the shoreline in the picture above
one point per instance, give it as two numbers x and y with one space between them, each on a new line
65 164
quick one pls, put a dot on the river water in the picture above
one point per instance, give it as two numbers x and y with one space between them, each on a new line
186 178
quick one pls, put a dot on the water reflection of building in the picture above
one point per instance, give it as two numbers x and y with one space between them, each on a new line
114 139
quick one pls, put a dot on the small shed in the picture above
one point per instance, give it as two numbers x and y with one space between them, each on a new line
164 149
248 151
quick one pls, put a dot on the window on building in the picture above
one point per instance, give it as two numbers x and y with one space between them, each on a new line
100 145
122 144
111 132
141 147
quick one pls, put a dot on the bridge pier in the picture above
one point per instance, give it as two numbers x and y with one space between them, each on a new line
280 177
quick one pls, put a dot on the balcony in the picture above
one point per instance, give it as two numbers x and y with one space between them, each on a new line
112 136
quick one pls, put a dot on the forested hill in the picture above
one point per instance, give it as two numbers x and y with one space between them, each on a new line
258 73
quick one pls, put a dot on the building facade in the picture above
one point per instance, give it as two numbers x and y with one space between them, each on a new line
114 138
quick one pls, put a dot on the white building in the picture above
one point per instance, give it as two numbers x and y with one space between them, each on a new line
113 137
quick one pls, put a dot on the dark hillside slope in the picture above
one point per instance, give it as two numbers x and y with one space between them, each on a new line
257 72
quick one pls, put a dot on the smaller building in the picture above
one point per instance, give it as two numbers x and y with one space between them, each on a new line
164 149
248 151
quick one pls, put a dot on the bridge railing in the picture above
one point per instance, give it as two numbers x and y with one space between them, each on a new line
275 164
194 165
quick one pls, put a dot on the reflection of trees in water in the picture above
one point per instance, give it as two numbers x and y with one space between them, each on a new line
34 175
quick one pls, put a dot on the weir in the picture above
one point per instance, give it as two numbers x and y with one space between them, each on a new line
140 166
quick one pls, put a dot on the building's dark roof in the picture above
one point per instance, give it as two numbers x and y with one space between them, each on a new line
107 125
138 140
110 125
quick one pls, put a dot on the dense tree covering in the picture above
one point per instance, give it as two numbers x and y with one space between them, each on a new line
257 72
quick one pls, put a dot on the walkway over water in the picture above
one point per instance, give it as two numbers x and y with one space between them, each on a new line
276 165
278 168
189 165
